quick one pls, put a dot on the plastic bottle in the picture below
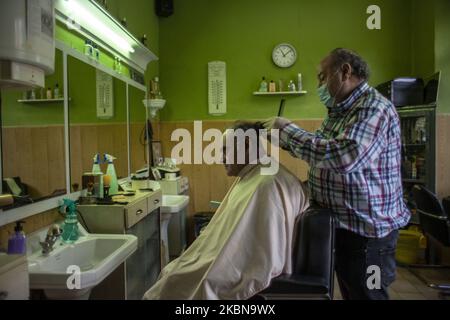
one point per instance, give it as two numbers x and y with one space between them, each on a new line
87 48
49 93
156 93
17 243
272 86
96 53
70 228
96 165
111 171
263 87
56 92
299 82
291 86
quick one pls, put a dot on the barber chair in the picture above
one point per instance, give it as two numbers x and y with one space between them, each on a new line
313 260
435 223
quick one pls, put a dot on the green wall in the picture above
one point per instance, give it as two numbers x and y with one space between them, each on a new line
243 34
422 37
15 113
442 49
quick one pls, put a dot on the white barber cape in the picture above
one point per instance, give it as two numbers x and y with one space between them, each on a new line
246 244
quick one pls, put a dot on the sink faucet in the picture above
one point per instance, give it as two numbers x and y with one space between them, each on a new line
52 236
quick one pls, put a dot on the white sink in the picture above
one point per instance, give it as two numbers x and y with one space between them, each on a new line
173 203
96 256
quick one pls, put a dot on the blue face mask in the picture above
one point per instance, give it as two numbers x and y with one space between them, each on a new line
325 96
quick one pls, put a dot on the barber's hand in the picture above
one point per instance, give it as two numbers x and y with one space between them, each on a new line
275 123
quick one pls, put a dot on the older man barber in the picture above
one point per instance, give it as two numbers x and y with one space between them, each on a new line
354 163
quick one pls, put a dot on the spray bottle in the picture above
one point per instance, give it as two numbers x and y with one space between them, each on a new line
70 229
111 171
96 167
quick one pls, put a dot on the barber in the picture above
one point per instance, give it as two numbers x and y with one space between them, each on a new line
355 171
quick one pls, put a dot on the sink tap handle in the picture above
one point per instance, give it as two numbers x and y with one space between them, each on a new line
54 230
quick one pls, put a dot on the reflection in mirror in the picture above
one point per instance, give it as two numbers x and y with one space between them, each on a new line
138 140
92 129
33 142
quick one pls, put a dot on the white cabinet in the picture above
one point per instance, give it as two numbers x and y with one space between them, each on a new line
14 283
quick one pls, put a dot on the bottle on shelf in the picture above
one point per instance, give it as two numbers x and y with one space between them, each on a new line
281 85
56 92
88 48
117 65
272 86
96 53
33 95
299 82
155 92
49 93
291 86
263 85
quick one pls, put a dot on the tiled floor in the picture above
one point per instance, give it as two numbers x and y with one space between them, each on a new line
406 287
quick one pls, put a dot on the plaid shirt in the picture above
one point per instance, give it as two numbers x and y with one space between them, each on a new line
355 163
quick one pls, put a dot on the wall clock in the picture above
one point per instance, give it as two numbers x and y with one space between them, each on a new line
284 55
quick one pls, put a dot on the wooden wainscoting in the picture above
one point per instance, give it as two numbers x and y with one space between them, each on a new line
36 155
88 139
443 155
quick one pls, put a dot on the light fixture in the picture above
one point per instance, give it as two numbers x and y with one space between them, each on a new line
92 21
84 18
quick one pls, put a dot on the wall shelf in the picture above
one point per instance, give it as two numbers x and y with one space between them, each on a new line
280 93
41 100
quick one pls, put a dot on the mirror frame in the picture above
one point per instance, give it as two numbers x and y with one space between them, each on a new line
22 212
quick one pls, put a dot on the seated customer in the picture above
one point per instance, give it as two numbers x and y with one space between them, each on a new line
249 239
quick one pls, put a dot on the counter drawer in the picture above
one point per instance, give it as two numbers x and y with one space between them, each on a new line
154 201
135 212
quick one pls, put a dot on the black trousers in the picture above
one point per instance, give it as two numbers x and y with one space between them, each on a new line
365 267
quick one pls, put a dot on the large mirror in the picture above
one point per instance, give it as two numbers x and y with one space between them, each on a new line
97 120
32 127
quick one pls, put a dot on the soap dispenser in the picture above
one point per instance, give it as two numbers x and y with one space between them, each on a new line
111 171
17 243
70 228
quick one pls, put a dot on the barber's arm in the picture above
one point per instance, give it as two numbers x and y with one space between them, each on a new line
360 142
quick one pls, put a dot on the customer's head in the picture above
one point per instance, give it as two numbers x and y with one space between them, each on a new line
342 71
241 146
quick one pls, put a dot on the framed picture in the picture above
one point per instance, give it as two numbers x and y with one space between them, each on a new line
156 152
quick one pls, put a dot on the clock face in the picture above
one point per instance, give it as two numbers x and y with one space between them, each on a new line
284 55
